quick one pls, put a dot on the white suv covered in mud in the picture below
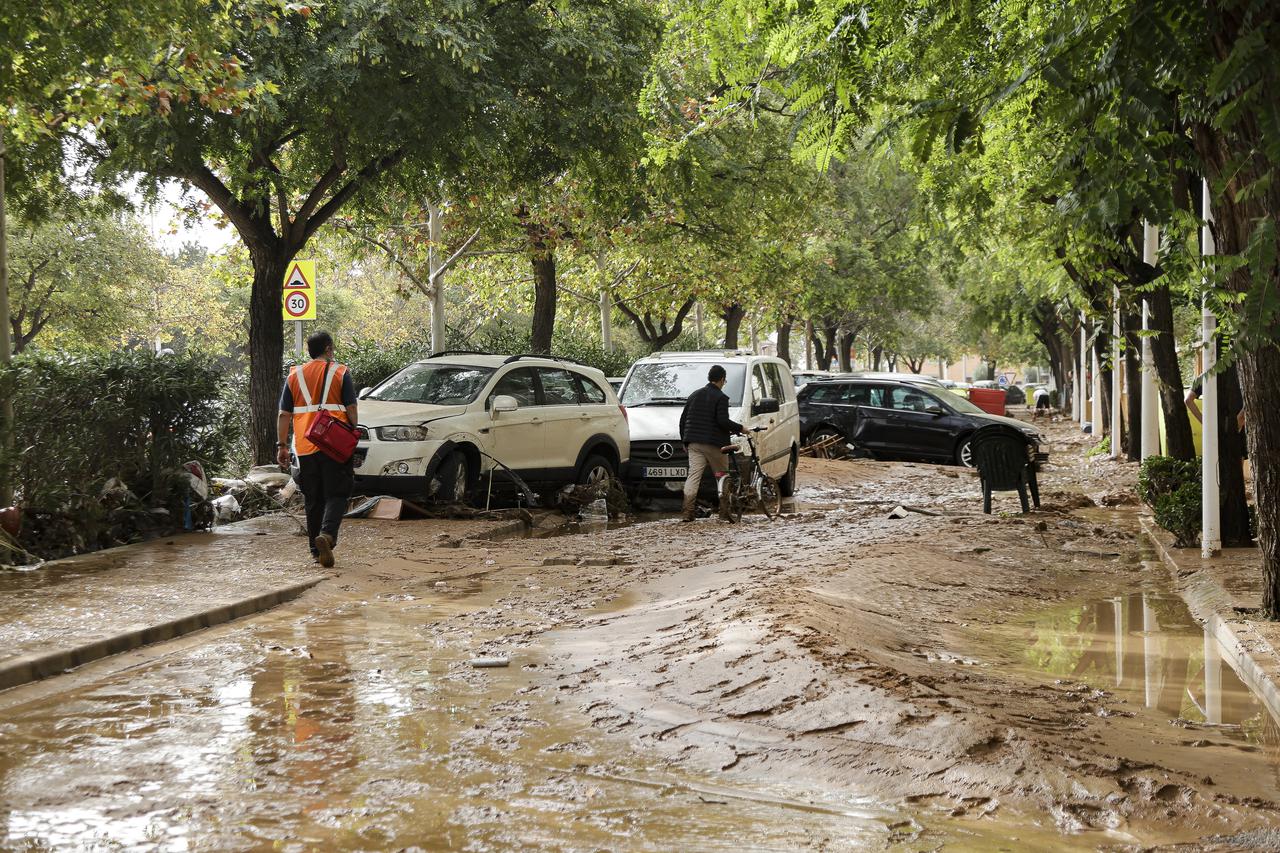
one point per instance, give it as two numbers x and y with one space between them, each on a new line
436 427
761 394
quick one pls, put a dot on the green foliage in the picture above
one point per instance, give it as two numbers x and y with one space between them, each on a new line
1102 448
83 420
1171 487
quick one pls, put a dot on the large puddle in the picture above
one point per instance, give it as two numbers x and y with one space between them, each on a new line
361 727
1146 648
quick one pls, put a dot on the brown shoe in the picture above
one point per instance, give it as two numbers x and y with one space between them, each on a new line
324 550
725 513
690 511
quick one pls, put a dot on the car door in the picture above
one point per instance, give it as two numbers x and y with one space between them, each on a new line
517 438
757 390
774 457
565 422
915 430
874 431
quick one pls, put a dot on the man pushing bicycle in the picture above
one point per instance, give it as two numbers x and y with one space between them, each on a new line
705 427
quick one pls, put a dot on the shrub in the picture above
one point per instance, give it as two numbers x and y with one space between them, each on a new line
1171 487
84 420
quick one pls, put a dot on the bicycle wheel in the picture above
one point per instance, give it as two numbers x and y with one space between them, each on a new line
735 506
769 496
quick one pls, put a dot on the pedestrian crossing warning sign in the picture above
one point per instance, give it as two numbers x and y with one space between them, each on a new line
299 295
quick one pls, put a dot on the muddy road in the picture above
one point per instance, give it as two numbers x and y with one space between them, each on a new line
837 679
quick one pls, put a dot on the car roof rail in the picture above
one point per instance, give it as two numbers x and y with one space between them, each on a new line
511 358
721 353
445 352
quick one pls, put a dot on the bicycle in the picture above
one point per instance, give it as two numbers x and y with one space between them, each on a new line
756 489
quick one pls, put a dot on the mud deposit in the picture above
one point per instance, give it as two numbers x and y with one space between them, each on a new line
834 680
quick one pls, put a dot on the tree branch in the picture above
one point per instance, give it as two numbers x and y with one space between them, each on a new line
371 170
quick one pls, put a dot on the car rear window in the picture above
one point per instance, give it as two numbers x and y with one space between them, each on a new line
591 392
558 387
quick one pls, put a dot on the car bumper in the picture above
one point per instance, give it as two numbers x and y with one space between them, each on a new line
396 467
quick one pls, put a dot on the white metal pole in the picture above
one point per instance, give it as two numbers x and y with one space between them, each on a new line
1084 371
1210 522
1115 374
942 368
1150 399
1077 391
437 290
297 338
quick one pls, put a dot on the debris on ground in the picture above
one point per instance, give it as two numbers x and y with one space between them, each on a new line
495 662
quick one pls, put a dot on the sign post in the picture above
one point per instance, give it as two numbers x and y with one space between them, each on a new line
299 297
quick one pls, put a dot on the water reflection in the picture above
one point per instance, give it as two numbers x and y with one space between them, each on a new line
1147 649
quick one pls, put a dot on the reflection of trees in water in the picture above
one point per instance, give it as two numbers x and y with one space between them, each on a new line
1150 651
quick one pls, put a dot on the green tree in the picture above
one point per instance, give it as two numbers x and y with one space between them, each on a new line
348 94
76 281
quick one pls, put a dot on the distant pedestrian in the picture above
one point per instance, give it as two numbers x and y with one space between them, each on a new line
1042 397
705 427
326 485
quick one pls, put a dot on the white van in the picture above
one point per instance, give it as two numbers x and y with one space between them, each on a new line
654 394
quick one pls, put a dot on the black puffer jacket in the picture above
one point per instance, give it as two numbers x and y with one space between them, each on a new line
705 419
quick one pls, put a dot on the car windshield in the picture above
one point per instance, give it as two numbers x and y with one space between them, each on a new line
955 401
434 384
671 382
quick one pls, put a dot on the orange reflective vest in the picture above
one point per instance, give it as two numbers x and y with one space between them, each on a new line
309 398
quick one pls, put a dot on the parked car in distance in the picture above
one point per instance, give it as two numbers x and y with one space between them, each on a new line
891 419
760 395
804 377
913 378
616 383
435 427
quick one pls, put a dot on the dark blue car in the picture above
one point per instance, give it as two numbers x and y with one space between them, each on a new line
897 420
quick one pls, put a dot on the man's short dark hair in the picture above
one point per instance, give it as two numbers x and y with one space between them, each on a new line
716 373
318 342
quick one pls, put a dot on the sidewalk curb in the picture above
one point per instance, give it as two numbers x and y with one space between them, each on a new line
33 667
1246 651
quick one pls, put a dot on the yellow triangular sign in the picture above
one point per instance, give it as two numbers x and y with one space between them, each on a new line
296 280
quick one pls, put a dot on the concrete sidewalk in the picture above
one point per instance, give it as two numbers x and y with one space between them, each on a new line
1225 593
73 611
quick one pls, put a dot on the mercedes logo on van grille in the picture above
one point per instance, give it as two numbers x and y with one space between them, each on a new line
666 451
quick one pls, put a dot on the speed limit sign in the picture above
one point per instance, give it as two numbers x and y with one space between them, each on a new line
299 296
297 304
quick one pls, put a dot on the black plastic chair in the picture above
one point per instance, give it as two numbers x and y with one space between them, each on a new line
1000 454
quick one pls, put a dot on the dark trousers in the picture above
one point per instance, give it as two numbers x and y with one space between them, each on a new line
326 485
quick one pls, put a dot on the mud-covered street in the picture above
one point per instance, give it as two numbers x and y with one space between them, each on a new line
837 679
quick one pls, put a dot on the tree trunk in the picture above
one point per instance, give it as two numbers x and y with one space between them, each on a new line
1102 348
544 293
1173 405
1232 506
1131 323
266 352
1235 159
1260 384
732 315
846 344
784 340
876 353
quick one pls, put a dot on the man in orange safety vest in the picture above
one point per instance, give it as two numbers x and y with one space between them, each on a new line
326 485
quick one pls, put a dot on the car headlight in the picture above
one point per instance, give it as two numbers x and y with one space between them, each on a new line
402 433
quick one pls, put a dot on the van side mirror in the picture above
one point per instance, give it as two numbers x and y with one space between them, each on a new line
503 403
767 406
364 392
